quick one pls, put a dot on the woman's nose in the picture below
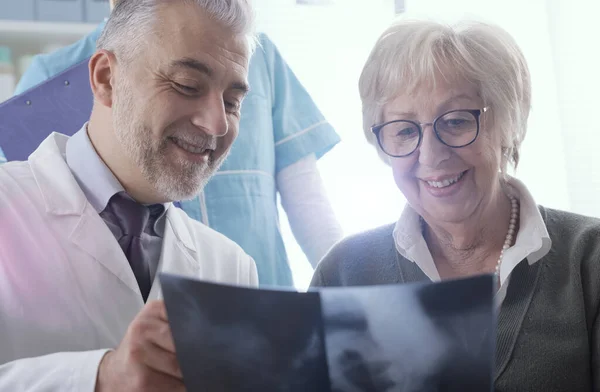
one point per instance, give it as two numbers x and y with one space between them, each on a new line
432 151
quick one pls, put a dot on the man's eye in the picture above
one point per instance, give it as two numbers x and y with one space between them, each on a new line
185 89
232 106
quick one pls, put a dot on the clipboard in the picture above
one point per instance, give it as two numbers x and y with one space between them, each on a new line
61 104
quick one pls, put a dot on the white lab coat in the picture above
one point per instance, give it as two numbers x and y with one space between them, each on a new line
67 292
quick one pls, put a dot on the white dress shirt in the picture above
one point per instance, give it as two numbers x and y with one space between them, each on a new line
99 185
532 242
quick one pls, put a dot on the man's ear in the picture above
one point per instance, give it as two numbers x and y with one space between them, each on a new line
102 67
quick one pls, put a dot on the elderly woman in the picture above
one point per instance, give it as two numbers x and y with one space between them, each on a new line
447 107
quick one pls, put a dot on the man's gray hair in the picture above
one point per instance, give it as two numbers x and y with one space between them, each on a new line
410 53
131 20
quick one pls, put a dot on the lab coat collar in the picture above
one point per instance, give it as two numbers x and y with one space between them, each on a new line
63 197
62 194
60 191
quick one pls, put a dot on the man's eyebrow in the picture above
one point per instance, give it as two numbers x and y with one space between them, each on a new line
192 64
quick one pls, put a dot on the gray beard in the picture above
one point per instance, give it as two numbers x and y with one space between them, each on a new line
172 180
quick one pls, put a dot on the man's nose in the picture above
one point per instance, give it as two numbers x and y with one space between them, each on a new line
211 116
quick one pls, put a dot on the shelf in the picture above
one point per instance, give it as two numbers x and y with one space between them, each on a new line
21 35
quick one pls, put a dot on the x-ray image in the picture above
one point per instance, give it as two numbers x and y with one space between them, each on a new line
235 339
405 338
409 338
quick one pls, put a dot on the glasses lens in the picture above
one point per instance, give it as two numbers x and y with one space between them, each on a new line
457 129
399 138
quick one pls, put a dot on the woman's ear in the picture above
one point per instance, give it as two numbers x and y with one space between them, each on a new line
102 67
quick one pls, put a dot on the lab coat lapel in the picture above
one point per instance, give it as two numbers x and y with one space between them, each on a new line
178 255
65 200
91 235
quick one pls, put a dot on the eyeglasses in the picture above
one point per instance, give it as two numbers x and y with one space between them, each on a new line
456 129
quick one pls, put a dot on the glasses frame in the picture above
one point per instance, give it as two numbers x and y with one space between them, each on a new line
376 129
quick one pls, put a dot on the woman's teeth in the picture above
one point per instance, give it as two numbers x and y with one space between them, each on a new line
446 182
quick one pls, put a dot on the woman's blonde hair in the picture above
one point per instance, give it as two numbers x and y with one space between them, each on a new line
410 53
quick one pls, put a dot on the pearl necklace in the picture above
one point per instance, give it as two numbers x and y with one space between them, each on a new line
514 215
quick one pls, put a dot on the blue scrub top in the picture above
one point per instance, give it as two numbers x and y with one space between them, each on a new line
280 124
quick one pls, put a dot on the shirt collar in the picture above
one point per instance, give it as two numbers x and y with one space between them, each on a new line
532 242
93 176
96 180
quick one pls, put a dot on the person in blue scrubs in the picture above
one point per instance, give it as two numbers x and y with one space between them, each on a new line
282 135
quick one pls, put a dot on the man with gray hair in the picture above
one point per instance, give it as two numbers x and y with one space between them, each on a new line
282 135
87 223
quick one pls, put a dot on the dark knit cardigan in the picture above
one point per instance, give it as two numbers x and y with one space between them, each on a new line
548 335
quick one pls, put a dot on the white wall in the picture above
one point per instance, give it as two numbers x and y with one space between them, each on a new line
574 35
327 46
